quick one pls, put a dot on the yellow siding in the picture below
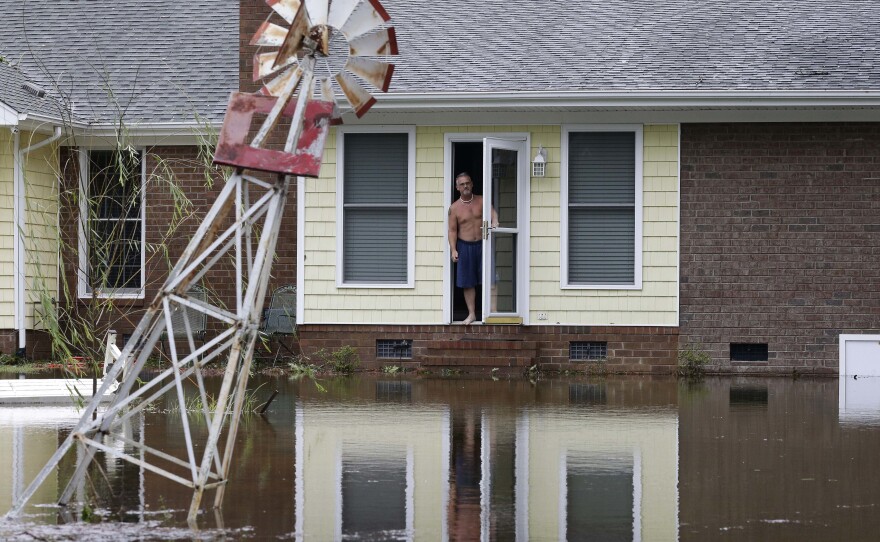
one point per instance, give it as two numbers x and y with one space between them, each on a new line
41 226
7 286
41 236
655 304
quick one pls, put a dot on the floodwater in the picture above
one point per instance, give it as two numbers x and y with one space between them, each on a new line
433 458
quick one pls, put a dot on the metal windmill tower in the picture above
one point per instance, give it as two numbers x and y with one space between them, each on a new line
325 45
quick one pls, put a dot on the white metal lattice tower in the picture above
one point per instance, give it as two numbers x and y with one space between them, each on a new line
325 46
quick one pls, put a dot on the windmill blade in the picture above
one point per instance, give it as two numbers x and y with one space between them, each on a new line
375 72
298 30
275 86
285 8
340 10
264 65
328 95
271 35
379 43
318 11
366 17
361 100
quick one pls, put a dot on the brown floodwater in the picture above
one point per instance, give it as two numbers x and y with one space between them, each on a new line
433 458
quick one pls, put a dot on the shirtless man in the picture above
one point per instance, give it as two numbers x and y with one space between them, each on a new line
466 240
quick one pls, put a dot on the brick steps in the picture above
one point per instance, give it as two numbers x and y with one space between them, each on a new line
501 352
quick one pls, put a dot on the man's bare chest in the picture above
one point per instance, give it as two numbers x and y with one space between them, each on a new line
469 212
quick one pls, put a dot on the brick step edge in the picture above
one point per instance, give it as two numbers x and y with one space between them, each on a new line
479 345
483 361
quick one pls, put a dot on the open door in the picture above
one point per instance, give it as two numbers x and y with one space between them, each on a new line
505 176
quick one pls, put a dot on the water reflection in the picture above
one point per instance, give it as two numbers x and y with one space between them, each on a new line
466 459
767 459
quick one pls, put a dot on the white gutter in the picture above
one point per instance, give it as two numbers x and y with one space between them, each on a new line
18 229
412 101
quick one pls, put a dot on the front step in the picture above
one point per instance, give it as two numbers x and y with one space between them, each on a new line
480 352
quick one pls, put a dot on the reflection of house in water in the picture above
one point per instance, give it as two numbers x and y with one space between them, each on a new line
597 473
28 437
372 469
488 466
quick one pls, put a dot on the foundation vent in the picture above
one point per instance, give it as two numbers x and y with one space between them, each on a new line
587 351
393 348
749 352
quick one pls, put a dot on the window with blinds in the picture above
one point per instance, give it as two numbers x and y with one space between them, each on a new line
602 208
375 208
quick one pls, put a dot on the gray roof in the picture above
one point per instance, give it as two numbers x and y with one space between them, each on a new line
610 45
153 61
14 95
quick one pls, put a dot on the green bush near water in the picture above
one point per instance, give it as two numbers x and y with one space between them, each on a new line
343 361
692 361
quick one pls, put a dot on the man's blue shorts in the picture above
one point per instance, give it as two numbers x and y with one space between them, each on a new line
470 263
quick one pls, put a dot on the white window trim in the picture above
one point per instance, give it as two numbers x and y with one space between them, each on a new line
410 131
639 184
83 272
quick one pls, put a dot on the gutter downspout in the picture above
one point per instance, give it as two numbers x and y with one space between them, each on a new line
18 230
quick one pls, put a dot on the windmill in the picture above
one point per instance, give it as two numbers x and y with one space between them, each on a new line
324 46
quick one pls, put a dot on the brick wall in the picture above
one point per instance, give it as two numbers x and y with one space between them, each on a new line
780 239
630 349
188 171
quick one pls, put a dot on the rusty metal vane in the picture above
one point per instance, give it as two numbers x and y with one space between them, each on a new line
343 34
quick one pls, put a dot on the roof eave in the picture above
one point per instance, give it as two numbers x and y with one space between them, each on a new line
629 99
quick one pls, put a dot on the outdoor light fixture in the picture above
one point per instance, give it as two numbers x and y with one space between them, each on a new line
539 163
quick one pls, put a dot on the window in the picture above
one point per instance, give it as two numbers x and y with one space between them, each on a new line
602 207
376 183
112 224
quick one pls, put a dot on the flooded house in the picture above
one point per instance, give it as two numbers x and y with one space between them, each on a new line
663 174
658 184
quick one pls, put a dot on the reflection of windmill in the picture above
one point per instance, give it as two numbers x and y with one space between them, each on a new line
241 226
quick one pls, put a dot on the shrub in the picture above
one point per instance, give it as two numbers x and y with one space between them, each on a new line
692 361
343 361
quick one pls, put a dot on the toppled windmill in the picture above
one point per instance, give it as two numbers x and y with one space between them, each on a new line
325 45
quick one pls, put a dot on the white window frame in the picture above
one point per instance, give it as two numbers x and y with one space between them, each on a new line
83 289
410 131
637 129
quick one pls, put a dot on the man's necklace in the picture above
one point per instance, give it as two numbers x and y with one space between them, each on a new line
468 201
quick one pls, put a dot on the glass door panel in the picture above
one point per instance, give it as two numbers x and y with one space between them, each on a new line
503 178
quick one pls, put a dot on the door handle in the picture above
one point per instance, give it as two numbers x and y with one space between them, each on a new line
485 229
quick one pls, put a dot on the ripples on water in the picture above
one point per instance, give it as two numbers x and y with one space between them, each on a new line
379 458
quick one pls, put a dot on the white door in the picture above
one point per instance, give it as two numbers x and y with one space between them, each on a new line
505 177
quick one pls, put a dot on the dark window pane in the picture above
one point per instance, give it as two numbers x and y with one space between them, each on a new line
376 168
601 246
114 220
601 167
374 498
375 245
